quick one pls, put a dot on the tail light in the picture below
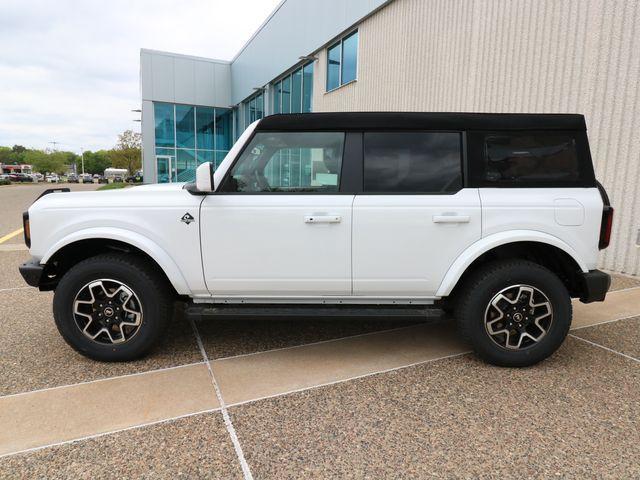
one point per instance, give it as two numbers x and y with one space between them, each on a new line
605 227
27 229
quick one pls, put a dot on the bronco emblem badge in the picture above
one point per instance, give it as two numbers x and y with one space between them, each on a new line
187 218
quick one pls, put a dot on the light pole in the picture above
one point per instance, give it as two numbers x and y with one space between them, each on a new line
82 159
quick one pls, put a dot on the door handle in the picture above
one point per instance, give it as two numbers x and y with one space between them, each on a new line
451 219
322 219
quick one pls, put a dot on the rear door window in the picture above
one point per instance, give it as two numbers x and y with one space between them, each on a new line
412 162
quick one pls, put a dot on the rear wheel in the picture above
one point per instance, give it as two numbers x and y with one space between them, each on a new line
112 307
514 313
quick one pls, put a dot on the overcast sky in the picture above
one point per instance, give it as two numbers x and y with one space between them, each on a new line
69 69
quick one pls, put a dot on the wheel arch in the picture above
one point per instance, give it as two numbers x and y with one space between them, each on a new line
541 248
83 244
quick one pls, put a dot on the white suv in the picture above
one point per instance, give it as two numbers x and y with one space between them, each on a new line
495 217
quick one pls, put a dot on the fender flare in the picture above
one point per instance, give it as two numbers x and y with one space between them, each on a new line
151 248
490 242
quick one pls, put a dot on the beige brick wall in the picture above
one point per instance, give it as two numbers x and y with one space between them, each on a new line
578 56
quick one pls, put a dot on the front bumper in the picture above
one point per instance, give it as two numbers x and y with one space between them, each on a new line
32 272
594 286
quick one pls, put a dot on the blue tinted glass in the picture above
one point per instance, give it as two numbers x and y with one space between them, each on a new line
286 95
307 87
259 107
277 97
350 58
333 67
247 115
205 127
252 109
163 113
186 165
204 156
223 129
296 91
220 157
185 126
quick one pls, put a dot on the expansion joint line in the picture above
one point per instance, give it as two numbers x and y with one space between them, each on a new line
223 408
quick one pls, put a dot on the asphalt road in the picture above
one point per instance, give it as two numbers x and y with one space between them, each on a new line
15 199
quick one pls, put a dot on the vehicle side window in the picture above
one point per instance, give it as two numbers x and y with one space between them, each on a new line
412 162
289 162
527 157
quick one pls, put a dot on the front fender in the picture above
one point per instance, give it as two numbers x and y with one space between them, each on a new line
161 257
498 239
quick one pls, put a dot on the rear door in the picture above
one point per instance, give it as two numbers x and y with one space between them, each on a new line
414 217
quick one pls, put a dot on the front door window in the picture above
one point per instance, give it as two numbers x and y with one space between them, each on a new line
165 168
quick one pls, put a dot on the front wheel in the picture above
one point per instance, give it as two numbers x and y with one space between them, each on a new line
112 307
514 313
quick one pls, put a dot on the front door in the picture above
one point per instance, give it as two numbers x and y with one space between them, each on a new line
278 225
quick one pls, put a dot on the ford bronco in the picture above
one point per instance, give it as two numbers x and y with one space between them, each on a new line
497 218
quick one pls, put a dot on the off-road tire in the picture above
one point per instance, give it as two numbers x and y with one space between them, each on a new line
151 287
478 291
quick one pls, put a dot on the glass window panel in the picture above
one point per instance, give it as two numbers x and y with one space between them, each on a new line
412 162
259 107
307 87
186 165
247 115
165 132
531 157
277 95
205 127
223 129
203 156
185 126
296 91
349 58
252 110
271 161
286 95
219 157
165 164
333 67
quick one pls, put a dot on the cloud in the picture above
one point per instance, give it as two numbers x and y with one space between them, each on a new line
69 69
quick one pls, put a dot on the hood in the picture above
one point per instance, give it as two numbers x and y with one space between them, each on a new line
143 195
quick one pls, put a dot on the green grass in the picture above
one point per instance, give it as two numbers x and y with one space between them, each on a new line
113 186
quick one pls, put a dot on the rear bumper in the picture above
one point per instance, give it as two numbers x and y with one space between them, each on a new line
32 272
595 285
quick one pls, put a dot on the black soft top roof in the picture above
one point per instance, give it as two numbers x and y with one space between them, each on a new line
421 121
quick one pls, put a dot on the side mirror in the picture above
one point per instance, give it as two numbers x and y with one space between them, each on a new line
204 178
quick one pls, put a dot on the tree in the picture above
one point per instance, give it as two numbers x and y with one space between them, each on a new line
127 152
96 162
56 162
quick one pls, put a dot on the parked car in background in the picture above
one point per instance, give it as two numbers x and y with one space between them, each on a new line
118 179
20 177
86 178
135 178
52 178
100 179
73 178
39 177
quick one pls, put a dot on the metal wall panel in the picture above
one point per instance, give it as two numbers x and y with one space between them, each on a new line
296 28
513 56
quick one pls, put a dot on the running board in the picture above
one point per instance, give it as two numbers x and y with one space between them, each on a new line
197 311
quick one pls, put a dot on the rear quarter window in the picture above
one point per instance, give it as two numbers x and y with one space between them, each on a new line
531 159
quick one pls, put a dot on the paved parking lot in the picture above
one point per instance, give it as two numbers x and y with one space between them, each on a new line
370 397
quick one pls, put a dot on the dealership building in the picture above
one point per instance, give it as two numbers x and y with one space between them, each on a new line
578 56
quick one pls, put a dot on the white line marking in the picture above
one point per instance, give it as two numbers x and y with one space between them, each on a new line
628 317
12 289
98 435
606 348
364 375
99 380
225 414
319 342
